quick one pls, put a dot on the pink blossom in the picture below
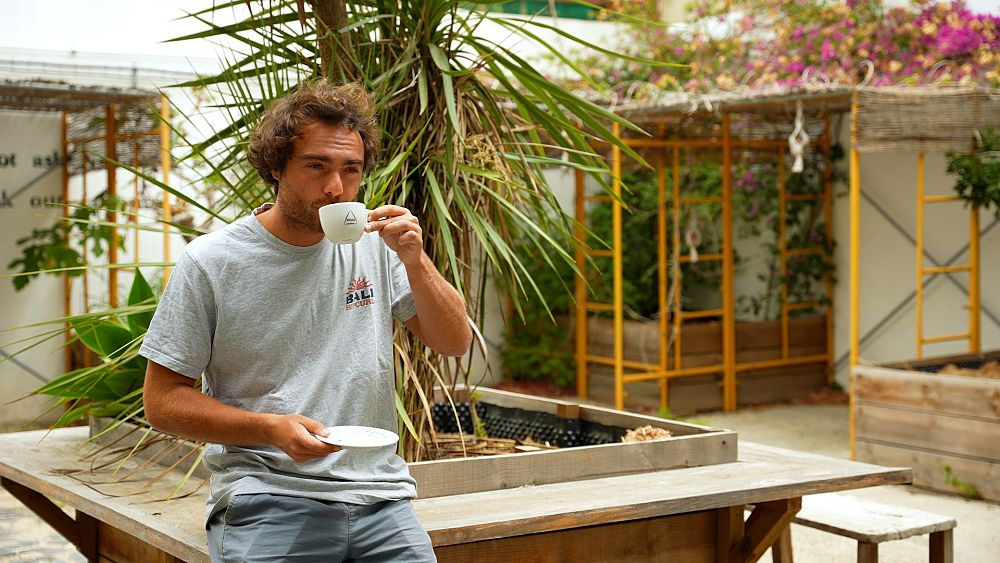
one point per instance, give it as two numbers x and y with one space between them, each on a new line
954 41
826 51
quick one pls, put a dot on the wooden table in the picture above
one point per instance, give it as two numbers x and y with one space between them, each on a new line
693 514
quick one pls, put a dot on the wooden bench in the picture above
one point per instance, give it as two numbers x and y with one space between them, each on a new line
870 523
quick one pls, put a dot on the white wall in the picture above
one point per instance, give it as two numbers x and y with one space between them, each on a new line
25 182
888 263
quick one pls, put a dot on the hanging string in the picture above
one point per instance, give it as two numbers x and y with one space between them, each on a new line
692 235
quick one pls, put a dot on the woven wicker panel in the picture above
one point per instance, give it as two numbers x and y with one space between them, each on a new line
89 123
931 120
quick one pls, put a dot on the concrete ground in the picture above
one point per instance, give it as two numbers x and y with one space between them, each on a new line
820 429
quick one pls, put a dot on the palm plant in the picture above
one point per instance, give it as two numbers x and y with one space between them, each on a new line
467 125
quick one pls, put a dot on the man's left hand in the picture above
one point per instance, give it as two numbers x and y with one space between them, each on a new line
399 229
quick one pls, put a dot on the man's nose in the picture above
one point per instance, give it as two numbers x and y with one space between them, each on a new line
334 186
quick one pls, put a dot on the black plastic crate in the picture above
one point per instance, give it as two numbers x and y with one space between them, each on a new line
520 424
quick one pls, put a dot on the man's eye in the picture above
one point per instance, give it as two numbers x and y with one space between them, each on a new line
352 170
314 165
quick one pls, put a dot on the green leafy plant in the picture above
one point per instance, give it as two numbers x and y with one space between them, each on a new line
967 490
978 172
53 248
113 387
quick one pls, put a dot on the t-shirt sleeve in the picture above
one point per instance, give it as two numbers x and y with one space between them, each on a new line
403 307
180 334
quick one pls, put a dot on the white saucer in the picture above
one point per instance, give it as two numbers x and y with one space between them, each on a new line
359 437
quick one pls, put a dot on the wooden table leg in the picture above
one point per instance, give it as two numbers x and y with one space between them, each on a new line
867 552
942 548
781 551
764 527
730 529
81 532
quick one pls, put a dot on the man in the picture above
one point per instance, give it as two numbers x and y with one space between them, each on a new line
259 309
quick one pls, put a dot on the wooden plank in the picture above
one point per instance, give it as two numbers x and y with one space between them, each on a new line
908 365
930 469
701 342
689 395
686 538
926 430
122 547
611 417
763 474
163 448
40 459
510 399
452 476
951 394
866 520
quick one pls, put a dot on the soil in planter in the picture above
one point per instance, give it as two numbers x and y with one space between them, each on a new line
509 430
988 369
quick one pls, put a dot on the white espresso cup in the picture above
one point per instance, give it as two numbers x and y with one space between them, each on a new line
343 223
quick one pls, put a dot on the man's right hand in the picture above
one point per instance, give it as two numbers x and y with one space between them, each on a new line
294 435
173 405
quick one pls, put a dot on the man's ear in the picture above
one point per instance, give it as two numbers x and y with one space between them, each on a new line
276 175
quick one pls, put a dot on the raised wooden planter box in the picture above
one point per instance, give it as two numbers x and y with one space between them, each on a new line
701 345
690 445
946 427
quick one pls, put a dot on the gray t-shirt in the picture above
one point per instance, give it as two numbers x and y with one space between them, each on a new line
283 329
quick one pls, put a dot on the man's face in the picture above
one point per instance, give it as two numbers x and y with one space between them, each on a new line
325 167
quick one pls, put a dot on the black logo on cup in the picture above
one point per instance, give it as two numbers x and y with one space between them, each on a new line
350 219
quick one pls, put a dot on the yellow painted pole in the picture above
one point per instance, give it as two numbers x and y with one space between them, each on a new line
580 287
135 201
783 251
165 163
920 254
855 205
676 256
110 138
662 273
67 285
616 227
83 243
828 228
728 316
974 297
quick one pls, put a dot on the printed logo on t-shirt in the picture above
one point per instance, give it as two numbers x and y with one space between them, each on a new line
360 293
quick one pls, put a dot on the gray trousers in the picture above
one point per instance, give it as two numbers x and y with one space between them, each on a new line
263 527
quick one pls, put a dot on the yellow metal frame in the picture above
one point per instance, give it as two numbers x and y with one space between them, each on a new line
972 335
111 137
663 371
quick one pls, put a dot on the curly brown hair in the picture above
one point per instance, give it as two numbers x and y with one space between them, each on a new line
348 105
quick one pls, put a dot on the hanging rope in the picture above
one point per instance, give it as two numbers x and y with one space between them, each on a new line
798 140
